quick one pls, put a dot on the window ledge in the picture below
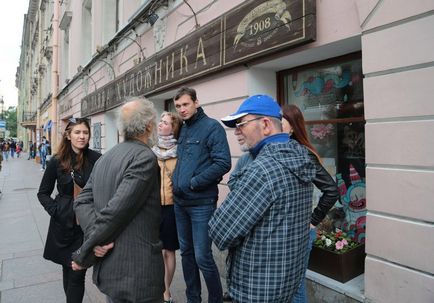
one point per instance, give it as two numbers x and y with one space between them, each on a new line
354 288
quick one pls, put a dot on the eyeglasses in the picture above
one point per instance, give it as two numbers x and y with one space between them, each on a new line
241 124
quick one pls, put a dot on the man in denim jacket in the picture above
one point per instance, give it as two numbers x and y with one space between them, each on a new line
203 158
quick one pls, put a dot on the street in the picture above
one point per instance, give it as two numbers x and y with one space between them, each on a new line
24 275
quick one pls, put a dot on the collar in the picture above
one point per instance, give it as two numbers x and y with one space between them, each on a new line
281 137
197 116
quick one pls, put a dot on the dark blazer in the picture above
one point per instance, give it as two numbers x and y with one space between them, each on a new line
121 203
64 235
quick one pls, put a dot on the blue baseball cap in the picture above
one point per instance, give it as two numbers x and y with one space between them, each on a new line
262 105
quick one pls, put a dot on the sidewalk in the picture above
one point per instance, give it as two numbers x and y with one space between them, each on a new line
24 275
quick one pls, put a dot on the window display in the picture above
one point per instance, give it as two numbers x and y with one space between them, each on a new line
330 95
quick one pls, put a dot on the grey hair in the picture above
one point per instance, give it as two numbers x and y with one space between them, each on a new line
135 124
277 123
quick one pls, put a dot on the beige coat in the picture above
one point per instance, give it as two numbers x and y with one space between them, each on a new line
166 171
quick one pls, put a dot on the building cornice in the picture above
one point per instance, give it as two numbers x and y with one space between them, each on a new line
138 19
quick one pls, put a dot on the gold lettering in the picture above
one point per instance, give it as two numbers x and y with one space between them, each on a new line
139 77
148 78
125 87
119 91
170 68
158 70
182 59
132 85
200 53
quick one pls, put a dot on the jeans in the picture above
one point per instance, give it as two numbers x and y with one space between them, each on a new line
196 253
73 284
43 161
12 152
300 295
6 155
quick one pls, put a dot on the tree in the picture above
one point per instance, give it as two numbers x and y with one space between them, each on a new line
10 117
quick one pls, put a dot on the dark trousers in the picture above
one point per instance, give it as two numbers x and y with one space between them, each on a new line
73 284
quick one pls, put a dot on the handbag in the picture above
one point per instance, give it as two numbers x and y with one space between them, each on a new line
77 191
77 188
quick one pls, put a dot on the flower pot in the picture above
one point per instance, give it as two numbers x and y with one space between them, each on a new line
340 267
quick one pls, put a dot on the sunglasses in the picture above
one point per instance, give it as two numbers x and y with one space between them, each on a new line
73 120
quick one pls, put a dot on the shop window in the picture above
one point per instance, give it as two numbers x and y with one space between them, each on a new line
330 95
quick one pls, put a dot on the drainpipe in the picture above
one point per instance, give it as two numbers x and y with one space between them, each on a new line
55 76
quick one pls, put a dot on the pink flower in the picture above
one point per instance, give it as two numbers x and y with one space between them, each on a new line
339 245
344 242
320 131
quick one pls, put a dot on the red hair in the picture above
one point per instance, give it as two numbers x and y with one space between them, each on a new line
294 116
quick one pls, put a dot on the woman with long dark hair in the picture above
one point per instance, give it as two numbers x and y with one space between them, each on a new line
70 168
294 124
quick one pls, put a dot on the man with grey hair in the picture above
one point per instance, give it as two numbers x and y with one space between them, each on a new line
119 212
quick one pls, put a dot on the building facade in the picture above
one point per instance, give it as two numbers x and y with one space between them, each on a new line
358 69
34 74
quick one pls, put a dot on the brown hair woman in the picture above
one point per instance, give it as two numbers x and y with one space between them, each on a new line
294 124
73 163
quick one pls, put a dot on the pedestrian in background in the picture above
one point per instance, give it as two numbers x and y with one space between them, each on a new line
120 212
70 167
43 152
165 150
203 159
264 220
32 150
18 150
12 147
5 150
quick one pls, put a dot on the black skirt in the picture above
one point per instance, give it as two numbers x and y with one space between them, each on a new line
168 232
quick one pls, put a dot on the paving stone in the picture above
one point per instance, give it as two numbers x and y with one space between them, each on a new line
51 292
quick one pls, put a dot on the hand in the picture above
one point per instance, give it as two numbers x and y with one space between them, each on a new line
76 267
100 251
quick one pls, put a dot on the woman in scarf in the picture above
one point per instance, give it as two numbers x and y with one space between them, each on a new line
165 150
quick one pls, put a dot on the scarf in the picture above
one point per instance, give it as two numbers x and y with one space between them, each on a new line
165 148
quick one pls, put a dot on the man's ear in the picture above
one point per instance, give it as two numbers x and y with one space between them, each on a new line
196 103
267 126
149 128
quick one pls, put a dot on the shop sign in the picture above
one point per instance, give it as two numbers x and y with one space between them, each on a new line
251 30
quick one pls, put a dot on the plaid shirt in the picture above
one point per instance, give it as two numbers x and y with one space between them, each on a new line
264 222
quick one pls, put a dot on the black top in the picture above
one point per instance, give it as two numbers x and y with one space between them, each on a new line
64 235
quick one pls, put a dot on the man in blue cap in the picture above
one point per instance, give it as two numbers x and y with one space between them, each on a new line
264 220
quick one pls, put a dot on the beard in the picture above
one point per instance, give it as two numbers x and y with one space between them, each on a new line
244 147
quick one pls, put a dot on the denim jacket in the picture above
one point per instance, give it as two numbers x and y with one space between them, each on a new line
203 158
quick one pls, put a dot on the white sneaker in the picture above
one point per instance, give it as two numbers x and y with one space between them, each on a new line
42 169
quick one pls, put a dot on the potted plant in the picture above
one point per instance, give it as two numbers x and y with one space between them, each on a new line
335 255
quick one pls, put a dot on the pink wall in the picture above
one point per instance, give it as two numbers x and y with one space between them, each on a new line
397 40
